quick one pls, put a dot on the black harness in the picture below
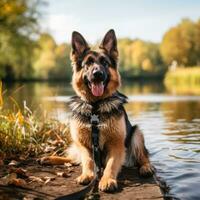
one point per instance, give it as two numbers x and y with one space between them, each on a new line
104 109
94 114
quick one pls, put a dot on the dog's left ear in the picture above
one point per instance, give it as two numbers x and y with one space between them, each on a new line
109 44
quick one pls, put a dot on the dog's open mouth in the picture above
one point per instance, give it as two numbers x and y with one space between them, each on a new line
97 89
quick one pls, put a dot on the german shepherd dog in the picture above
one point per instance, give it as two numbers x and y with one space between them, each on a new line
96 79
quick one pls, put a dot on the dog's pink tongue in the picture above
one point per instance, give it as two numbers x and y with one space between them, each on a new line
97 89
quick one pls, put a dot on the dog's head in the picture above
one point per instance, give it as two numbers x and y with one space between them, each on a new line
95 73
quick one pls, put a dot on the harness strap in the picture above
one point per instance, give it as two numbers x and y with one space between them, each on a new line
95 144
97 168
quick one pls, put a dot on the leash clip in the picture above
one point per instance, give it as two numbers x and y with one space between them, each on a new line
94 119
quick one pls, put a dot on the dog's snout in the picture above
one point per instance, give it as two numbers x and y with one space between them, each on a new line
98 74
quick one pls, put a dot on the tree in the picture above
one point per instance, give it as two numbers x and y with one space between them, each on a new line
124 53
181 43
51 61
44 56
63 69
138 55
18 23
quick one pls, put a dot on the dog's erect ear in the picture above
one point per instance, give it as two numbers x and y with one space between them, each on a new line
79 44
109 44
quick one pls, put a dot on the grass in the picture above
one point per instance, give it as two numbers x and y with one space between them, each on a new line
22 132
183 80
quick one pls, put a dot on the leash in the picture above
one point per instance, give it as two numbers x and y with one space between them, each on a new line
94 120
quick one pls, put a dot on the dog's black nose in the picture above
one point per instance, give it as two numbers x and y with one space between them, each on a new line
98 74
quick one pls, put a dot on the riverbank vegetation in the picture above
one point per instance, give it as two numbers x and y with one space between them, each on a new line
28 54
183 80
29 133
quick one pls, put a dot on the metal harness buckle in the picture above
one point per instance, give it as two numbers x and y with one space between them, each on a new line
94 119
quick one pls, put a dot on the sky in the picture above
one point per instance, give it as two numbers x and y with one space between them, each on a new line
144 19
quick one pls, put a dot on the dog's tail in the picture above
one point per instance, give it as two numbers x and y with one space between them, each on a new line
135 147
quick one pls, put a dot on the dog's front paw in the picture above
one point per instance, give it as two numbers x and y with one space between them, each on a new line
146 170
107 184
85 179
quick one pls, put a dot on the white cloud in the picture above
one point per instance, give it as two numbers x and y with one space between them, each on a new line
61 26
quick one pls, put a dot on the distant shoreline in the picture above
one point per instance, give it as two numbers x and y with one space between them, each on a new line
129 78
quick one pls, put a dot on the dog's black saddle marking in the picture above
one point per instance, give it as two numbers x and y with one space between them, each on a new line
109 107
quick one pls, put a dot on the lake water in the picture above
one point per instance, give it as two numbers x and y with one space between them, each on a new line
171 125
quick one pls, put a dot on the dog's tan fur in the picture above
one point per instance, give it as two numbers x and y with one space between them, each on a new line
112 134
83 91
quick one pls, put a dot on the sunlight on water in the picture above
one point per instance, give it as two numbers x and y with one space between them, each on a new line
171 125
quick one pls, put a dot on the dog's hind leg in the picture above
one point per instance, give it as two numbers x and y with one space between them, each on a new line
73 157
140 153
54 160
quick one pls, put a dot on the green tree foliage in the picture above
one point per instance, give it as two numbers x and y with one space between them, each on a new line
124 52
137 56
18 23
182 44
63 68
44 56
25 53
51 61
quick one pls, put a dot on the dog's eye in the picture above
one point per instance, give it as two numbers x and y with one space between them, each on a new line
104 62
89 61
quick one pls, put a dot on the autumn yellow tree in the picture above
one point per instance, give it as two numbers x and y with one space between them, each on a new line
18 23
51 61
182 44
63 69
45 58
138 56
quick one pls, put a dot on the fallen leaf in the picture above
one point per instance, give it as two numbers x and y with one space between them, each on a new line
13 163
35 179
62 174
19 171
17 182
8 178
11 179
48 179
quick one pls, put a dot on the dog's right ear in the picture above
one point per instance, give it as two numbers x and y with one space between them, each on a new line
109 45
79 45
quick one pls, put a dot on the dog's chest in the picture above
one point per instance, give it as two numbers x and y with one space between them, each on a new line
103 109
109 131
109 113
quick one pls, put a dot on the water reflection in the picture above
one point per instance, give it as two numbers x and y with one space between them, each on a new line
171 125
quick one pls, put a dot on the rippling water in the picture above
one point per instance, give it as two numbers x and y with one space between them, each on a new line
171 125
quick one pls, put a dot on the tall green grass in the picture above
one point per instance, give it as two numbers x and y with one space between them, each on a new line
183 80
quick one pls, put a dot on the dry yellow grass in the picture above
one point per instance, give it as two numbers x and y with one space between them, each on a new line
22 131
